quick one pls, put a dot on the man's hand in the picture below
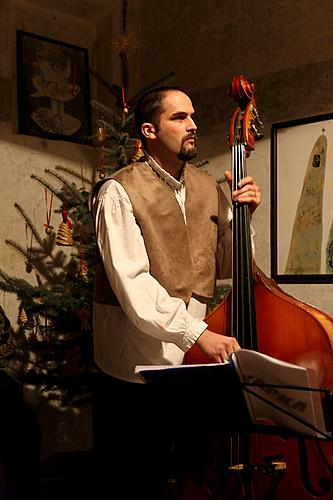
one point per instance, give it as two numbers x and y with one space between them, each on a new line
216 346
248 191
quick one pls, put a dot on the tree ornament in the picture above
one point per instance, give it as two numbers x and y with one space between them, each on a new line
83 270
48 227
23 318
28 267
125 43
124 102
101 137
64 235
138 152
7 349
84 316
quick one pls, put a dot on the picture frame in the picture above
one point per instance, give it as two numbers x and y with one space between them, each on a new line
53 89
301 200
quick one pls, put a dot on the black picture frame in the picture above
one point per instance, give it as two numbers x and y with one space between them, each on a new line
53 89
301 200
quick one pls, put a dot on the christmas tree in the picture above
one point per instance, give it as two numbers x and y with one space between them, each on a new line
52 349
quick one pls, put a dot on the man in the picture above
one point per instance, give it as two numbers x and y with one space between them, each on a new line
162 228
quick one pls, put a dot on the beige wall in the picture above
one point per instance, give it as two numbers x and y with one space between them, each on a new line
22 155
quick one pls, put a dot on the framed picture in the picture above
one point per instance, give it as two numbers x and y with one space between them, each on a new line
302 200
53 89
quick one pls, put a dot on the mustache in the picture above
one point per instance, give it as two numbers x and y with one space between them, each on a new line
192 135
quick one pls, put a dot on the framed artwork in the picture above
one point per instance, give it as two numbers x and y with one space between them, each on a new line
53 89
302 200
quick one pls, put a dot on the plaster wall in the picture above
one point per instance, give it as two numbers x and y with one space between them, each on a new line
21 156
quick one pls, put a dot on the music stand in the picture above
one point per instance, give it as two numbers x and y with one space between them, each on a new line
216 397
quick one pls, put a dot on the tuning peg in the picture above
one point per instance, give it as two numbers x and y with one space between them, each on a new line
256 116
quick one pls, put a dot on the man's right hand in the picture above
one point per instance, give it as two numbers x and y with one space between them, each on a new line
216 346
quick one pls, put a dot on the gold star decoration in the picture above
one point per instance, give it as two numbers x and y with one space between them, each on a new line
125 43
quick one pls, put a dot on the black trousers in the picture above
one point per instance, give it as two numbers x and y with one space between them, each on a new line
19 443
133 431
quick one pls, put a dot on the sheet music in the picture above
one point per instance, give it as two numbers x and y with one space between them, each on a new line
291 408
288 405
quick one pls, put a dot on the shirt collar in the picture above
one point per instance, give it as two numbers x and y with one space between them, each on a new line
171 181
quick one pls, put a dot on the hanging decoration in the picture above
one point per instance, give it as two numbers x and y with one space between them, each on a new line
64 235
23 318
84 316
123 45
28 264
83 270
138 152
101 137
48 211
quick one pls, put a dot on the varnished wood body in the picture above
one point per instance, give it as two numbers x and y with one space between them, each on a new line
293 331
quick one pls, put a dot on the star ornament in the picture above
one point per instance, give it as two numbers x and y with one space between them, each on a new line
125 43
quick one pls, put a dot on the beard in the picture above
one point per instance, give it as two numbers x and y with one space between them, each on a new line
187 153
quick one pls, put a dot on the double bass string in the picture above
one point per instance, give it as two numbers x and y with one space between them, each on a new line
243 306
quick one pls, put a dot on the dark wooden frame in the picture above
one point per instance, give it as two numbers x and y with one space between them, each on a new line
53 89
277 128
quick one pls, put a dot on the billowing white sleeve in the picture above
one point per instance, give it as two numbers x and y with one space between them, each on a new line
145 302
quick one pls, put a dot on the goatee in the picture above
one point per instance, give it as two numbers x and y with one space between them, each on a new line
186 154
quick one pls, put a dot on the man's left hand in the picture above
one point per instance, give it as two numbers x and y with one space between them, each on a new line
248 191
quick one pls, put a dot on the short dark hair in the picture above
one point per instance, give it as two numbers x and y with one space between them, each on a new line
150 107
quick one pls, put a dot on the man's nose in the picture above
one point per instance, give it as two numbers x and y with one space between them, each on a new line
191 126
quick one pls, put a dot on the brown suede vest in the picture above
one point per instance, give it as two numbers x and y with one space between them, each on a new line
182 256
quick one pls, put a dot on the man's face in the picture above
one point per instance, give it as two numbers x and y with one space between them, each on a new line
176 131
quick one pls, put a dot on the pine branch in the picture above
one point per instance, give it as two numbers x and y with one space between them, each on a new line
30 224
37 262
115 90
110 131
18 247
51 188
74 174
17 285
72 188
105 111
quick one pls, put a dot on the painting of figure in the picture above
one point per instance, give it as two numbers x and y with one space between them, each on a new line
53 89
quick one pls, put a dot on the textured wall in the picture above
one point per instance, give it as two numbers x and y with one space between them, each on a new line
22 155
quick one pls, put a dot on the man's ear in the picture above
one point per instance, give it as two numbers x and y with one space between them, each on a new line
148 131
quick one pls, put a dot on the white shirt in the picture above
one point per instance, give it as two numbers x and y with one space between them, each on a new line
150 327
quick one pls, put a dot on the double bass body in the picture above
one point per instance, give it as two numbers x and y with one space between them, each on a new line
280 326
293 331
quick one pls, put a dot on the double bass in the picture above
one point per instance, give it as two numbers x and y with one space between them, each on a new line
264 318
